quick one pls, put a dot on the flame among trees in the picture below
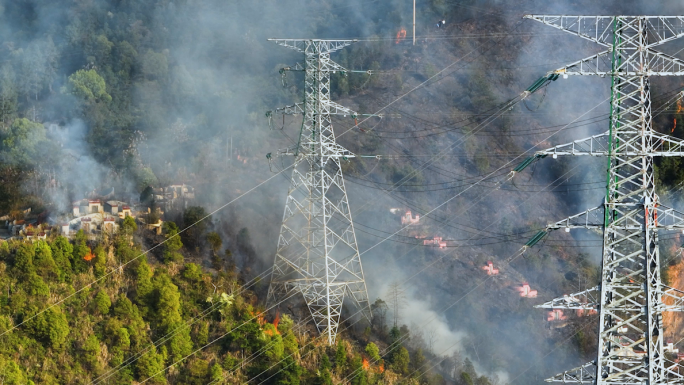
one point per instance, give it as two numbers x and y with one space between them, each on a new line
401 35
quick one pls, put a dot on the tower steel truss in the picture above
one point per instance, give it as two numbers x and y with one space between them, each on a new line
317 253
631 297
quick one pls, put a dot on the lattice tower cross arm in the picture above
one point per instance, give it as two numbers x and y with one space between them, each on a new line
630 346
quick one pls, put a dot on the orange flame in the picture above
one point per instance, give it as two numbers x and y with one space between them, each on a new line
365 364
259 316
674 126
381 368
679 106
89 256
401 35
276 321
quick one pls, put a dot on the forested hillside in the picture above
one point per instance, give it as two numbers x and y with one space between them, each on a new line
130 94
72 316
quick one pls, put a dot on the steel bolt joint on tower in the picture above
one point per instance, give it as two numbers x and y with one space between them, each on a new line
631 297
317 252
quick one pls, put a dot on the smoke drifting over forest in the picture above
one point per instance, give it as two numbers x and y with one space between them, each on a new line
187 86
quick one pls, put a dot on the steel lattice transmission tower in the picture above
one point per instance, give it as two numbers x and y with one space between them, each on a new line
631 297
317 252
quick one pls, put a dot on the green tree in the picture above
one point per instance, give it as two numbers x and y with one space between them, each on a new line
154 65
192 272
215 241
24 144
418 360
125 58
102 302
12 373
4 250
100 266
144 282
340 356
147 196
144 176
275 344
401 361
128 226
43 261
194 216
180 344
379 309
91 351
373 352
360 376
62 253
89 86
120 346
324 376
37 65
36 287
466 379
151 365
290 343
100 49
23 259
168 302
196 373
51 327
216 373
81 249
169 317
173 243
8 94
202 334
436 379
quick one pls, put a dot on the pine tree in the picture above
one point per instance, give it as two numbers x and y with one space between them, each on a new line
102 302
340 357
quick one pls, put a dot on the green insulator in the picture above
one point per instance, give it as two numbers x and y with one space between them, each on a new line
536 238
268 156
269 114
541 81
529 161
524 164
536 85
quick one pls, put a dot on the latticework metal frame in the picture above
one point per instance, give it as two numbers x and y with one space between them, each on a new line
317 252
630 297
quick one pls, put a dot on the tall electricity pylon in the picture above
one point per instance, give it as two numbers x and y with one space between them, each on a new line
317 253
631 297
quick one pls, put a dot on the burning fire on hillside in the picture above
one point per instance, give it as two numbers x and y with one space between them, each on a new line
679 109
90 256
276 321
401 35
